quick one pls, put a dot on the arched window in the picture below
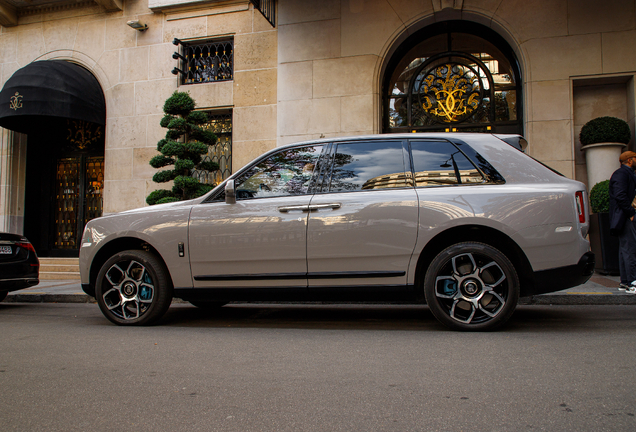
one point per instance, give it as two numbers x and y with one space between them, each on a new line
453 76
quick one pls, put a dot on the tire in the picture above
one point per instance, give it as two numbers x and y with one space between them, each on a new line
3 295
472 287
133 288
209 305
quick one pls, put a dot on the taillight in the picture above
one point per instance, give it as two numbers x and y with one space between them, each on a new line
580 206
29 247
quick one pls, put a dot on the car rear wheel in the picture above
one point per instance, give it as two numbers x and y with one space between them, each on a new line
133 288
471 286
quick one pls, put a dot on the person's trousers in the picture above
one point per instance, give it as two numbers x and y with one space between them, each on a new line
627 252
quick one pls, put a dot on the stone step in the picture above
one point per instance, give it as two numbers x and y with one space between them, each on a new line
59 269
63 261
59 276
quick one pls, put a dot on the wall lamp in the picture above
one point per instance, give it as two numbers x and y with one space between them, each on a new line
137 25
176 71
178 56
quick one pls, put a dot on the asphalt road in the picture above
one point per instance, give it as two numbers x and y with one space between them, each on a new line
63 367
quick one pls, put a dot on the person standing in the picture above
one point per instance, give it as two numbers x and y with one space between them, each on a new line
622 190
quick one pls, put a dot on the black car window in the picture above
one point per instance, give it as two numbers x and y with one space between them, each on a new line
368 165
287 172
438 163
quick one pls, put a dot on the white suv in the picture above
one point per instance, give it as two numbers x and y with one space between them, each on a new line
467 223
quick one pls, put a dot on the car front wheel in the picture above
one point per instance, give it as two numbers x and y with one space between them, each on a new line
471 286
133 288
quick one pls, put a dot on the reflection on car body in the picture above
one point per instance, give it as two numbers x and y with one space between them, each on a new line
464 222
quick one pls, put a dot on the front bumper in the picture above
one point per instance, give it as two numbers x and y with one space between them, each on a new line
561 278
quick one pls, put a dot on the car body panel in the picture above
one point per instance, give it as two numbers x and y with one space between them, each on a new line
254 240
370 232
162 226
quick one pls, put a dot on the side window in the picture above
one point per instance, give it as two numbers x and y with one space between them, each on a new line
441 163
285 173
368 165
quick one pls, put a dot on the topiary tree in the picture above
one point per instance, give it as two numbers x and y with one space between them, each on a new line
183 148
605 129
599 197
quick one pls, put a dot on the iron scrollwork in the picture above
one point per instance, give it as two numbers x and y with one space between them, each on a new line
450 92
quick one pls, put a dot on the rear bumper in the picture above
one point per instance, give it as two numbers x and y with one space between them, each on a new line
561 278
17 284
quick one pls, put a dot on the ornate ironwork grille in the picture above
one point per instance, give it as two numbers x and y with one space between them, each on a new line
434 88
71 211
208 61
66 211
221 152
267 8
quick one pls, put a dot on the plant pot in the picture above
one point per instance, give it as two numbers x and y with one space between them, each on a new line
604 245
602 160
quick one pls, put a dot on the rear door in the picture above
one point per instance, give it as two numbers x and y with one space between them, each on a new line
362 227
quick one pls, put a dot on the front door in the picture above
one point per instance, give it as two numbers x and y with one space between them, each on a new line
261 240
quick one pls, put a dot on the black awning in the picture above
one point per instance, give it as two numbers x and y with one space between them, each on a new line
50 90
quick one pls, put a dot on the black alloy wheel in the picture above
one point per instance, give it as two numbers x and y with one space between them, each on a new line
471 286
133 288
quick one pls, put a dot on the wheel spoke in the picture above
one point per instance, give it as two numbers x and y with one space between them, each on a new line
455 317
493 264
456 269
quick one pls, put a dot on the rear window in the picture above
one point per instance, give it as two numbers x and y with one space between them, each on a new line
368 165
437 163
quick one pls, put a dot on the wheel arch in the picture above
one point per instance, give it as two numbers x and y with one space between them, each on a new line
481 234
118 245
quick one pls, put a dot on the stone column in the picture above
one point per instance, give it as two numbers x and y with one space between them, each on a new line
12 181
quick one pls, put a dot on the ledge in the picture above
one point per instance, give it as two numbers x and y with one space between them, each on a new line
171 5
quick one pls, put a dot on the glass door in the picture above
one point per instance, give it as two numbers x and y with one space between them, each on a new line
78 184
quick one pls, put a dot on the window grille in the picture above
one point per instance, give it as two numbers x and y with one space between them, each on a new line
267 8
205 62
221 124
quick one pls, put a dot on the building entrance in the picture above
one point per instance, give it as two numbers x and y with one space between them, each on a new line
60 107
64 185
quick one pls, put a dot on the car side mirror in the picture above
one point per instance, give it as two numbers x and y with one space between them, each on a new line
230 192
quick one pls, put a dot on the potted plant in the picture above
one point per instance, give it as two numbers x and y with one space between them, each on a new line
604 245
603 139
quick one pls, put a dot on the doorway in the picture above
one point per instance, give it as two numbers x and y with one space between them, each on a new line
64 185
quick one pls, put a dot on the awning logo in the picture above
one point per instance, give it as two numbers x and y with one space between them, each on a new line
16 101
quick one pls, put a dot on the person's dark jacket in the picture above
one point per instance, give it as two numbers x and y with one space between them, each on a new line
622 189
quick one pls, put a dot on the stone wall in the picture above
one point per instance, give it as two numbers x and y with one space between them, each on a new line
134 70
331 56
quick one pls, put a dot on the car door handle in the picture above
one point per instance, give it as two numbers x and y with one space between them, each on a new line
287 209
332 206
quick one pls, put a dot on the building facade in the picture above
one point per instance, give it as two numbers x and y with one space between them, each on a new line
276 72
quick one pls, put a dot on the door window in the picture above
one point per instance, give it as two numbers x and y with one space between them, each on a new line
368 165
441 163
288 172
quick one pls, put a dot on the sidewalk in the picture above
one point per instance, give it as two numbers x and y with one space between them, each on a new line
599 290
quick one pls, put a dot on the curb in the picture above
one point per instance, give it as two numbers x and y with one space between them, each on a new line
546 299
579 299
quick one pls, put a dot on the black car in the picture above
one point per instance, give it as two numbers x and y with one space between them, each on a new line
19 264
